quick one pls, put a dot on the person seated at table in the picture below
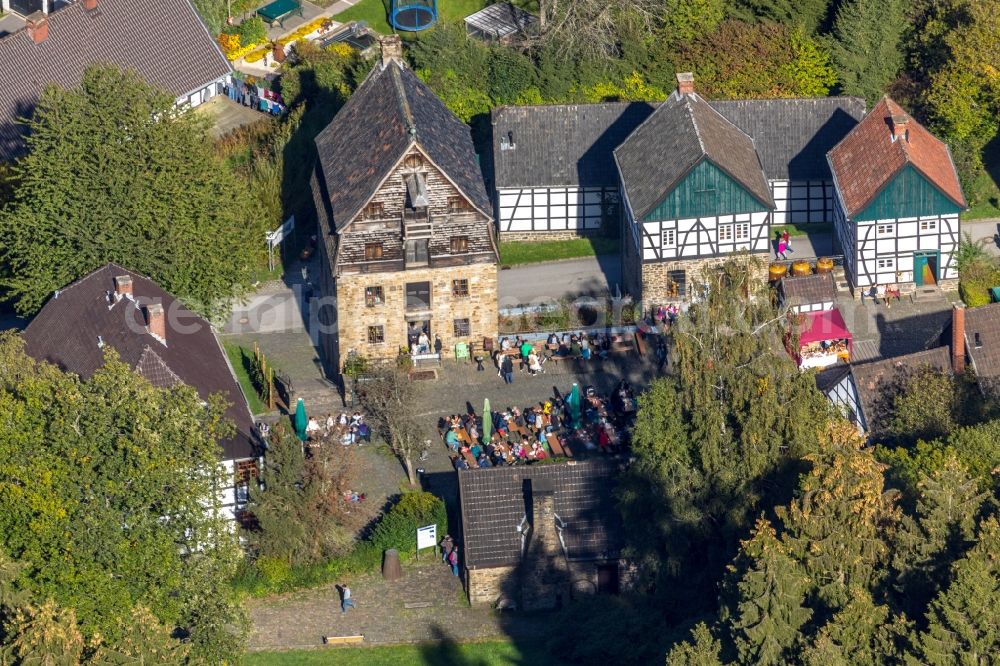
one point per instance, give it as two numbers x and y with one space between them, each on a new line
483 461
364 433
520 453
451 439
475 449
459 462
504 343
330 424
356 418
312 427
584 347
539 452
342 419
347 438
880 293
553 339
472 430
672 312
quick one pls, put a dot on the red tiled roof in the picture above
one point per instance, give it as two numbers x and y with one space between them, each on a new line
867 159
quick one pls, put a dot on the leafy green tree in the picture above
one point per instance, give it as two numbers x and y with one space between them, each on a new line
108 499
944 526
866 48
510 73
977 447
688 19
145 641
744 60
838 524
962 621
920 405
859 633
768 588
717 442
702 650
116 173
213 13
807 14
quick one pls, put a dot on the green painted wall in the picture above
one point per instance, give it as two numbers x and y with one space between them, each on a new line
704 192
909 194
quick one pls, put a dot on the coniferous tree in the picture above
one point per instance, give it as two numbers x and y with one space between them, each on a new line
866 49
859 633
963 622
43 634
768 589
944 525
702 650
838 525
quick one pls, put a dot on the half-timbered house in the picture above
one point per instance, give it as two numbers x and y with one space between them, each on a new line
898 200
408 242
554 174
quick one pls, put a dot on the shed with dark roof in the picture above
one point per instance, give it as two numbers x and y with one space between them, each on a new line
982 344
809 293
165 41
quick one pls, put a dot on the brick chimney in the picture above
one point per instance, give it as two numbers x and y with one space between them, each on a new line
89 5
545 577
156 322
37 24
123 286
685 83
899 124
958 339
392 49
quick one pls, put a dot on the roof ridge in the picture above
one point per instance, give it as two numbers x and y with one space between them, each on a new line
694 123
404 103
147 349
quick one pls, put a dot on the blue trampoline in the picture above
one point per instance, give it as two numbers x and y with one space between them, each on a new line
413 15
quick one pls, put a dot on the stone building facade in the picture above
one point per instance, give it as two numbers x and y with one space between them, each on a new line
409 249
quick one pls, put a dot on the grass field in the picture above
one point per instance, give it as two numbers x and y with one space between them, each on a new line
518 252
490 653
240 358
375 12
801 229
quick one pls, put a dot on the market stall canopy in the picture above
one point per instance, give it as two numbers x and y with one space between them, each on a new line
819 326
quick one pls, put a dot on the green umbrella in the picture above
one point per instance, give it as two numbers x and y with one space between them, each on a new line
573 402
487 421
301 420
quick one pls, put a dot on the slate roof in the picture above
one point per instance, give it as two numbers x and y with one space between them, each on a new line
793 136
564 144
501 19
984 321
875 378
391 110
828 378
808 289
495 501
65 332
868 159
572 145
163 40
682 132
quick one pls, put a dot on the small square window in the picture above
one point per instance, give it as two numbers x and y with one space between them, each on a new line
882 230
462 328
374 296
373 251
886 264
458 205
669 239
743 231
460 288
459 244
725 232
928 225
373 211
376 335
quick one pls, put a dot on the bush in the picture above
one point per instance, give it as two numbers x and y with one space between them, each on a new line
273 570
252 32
974 294
398 528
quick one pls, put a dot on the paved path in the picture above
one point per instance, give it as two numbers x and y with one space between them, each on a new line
986 231
556 280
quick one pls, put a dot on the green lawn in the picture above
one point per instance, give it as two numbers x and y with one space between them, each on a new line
240 358
520 252
801 229
490 653
375 12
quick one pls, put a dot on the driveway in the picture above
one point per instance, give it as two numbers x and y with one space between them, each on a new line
556 280
986 231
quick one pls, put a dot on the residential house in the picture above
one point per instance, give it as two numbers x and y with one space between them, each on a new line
978 331
408 245
28 7
165 41
537 536
114 307
897 205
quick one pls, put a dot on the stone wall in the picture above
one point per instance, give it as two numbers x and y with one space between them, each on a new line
354 316
655 278
487 586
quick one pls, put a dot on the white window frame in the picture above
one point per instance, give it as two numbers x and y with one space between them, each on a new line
668 239
885 230
886 263
726 232
928 225
742 231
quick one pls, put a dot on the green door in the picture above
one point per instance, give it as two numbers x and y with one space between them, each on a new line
919 264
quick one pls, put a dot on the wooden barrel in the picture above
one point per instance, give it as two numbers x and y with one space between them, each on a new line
776 272
824 265
801 268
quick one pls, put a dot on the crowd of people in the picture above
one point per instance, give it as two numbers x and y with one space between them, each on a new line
549 428
568 345
345 429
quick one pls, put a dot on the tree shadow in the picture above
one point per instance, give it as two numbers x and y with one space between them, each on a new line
444 651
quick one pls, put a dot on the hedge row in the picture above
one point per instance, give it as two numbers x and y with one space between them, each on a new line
396 529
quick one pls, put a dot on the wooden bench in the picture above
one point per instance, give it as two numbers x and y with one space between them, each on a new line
343 640
557 446
463 436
